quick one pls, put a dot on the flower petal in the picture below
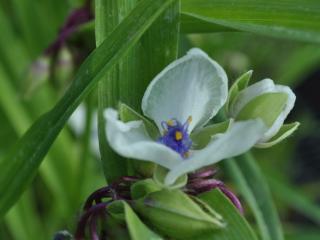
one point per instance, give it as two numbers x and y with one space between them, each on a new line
193 85
283 115
131 140
240 137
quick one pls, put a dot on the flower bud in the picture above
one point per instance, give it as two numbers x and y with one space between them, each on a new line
64 66
38 74
176 215
265 100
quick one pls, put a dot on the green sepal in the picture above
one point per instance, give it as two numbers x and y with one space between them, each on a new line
136 228
176 215
142 188
240 84
267 107
285 131
201 138
126 113
160 174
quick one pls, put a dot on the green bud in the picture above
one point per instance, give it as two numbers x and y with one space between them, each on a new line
142 188
176 215
265 100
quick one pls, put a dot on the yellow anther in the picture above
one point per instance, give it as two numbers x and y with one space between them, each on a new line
189 120
170 123
178 135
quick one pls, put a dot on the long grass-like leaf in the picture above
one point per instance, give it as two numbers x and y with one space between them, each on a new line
277 18
253 187
128 79
20 165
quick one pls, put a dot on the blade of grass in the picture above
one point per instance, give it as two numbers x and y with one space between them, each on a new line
295 199
20 165
237 227
253 187
128 79
281 19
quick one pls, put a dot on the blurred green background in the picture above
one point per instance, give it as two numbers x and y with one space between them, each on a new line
31 83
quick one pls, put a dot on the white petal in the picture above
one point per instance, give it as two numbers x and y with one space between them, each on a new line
249 93
193 85
238 139
283 115
131 140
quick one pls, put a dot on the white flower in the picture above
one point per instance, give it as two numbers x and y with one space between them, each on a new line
181 100
266 100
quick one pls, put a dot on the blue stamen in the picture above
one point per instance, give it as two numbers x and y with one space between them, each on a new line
176 136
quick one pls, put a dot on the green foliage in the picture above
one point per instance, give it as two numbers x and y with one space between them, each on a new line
251 183
236 225
282 19
136 40
28 153
129 79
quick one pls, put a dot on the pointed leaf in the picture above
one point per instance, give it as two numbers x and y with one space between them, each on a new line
240 84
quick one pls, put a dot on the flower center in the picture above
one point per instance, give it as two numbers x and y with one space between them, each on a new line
176 136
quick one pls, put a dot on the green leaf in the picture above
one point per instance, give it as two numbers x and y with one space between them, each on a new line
137 230
20 165
282 19
129 79
267 106
128 114
285 131
240 84
236 226
295 198
121 211
177 215
142 188
202 137
254 188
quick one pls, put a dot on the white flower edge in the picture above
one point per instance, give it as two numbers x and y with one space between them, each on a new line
132 141
257 89
239 138
194 85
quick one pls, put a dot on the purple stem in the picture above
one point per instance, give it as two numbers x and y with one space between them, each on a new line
209 172
197 186
97 196
96 209
75 19
233 198
93 227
